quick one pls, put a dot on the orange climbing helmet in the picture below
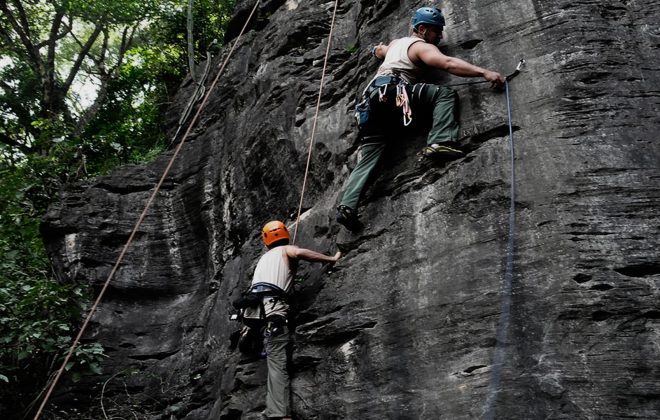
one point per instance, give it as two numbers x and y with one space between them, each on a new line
274 231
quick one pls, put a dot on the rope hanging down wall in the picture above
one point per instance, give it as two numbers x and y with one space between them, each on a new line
316 117
505 307
142 216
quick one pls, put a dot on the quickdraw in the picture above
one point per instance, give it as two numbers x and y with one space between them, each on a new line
516 72
403 102
382 93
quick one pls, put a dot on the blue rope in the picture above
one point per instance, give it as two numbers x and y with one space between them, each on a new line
505 311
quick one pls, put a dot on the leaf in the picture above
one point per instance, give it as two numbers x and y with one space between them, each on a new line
95 368
11 256
4 378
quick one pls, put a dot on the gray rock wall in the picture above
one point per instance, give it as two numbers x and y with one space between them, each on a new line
405 325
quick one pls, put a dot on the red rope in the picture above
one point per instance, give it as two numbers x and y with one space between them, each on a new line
316 116
141 219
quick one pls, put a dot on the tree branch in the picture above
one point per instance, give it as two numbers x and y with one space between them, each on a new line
5 34
23 33
93 109
100 61
69 28
126 41
4 138
66 31
84 51
51 97
52 40
23 17
105 77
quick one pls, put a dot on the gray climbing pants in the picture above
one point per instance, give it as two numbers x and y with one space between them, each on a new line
278 397
385 121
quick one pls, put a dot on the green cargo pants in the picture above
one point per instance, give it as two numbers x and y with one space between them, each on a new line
437 103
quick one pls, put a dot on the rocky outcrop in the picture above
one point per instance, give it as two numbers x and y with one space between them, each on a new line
405 326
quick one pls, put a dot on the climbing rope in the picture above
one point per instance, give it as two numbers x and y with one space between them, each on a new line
199 84
505 309
141 218
316 116
196 96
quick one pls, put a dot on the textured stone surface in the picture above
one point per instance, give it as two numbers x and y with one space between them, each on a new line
404 327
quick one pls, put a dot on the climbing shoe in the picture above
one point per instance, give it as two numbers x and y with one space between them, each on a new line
348 217
439 152
426 159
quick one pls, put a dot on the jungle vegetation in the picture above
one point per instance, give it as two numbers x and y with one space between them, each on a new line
83 89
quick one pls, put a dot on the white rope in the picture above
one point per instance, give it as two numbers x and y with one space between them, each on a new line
316 117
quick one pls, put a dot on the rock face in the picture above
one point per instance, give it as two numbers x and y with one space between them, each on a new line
406 325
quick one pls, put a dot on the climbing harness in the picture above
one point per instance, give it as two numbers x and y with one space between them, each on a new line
92 310
249 305
316 118
381 83
258 329
505 309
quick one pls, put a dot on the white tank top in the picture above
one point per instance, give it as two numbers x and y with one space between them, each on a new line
397 60
273 267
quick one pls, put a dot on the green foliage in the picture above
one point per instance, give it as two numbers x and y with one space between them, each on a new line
38 316
210 18
129 76
352 48
128 127
111 11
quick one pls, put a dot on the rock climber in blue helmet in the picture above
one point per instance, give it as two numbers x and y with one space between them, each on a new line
395 96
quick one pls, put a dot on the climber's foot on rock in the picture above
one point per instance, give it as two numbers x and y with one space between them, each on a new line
440 153
347 217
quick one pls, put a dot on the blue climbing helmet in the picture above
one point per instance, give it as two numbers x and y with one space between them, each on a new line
428 16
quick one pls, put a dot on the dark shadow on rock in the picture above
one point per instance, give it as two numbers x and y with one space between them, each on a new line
639 270
472 138
423 172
